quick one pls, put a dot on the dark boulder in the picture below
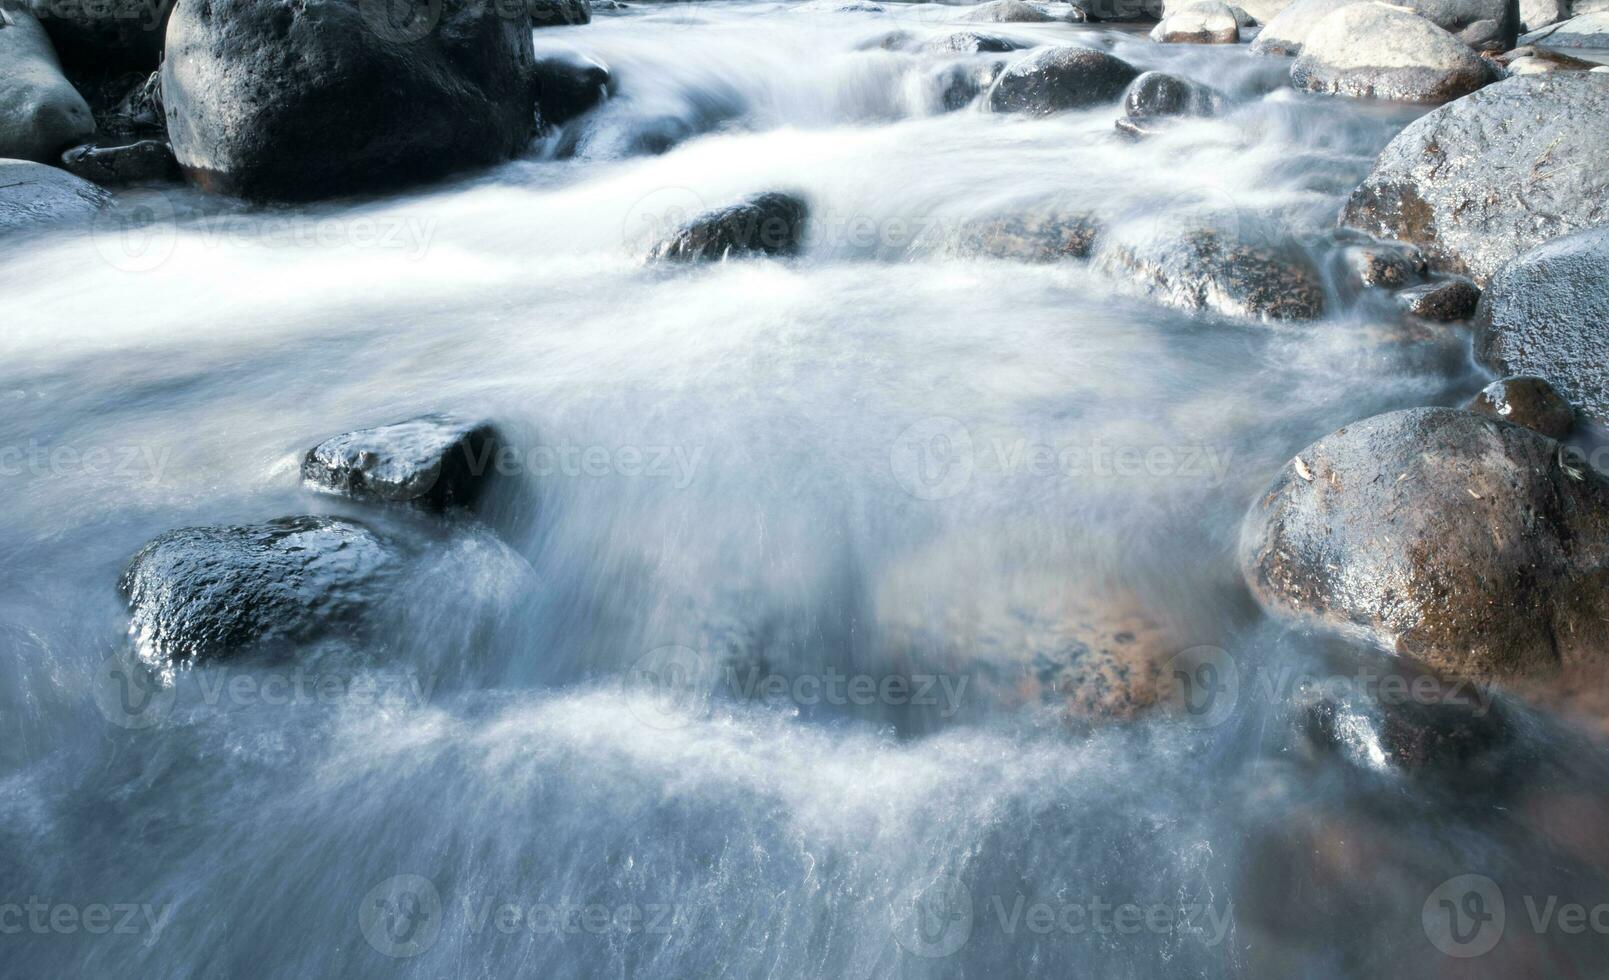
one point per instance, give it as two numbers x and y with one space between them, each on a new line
1482 179
101 35
1385 265
1445 301
435 461
1157 94
32 194
1121 11
1041 235
117 164
570 84
1059 79
968 42
138 111
1547 314
272 101
1378 51
41 114
202 594
1208 269
559 13
1530 402
1458 540
767 224
956 85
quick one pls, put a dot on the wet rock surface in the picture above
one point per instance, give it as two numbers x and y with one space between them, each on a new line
32 194
1445 302
1041 235
559 13
1530 402
1481 24
115 164
1007 12
1208 22
1447 536
1587 31
1373 50
1285 33
1481 180
1059 79
1547 314
41 114
570 85
767 224
1205 269
1385 265
436 461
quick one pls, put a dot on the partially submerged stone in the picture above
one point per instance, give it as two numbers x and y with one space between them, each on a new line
1059 79
766 224
436 461
1530 402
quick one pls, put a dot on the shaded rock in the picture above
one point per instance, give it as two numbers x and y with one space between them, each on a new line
1480 180
32 194
1285 33
1385 265
570 84
1374 50
1447 536
1586 31
138 111
1156 97
768 224
1530 402
955 86
1205 22
333 97
41 114
1035 236
101 35
1205 269
125 163
1007 12
1445 301
436 461
1121 11
559 13
1059 79
1547 314
200 594
967 42
1537 14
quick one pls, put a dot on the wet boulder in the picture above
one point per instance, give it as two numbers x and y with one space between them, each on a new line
1547 314
1221 271
969 42
1445 301
1537 14
435 461
117 164
559 13
1204 22
1121 11
201 594
1036 235
767 224
1530 402
1459 540
32 194
41 114
1483 179
1157 97
1007 12
1481 24
570 84
956 85
1384 265
1585 31
298 102
1059 79
1374 50
1285 33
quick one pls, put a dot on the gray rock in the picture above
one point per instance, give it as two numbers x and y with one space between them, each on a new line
1286 31
1374 50
1530 402
1444 302
1203 22
139 112
1537 14
1547 314
956 85
1122 11
32 194
559 13
1263 11
1007 12
201 594
1156 97
41 114
1203 269
1385 265
1586 31
117 164
570 84
1059 79
767 224
968 42
1482 179
1043 235
1446 536
1481 24
331 97
435 461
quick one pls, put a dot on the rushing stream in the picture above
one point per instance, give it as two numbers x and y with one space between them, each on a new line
882 458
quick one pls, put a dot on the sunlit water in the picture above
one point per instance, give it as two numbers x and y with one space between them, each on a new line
825 465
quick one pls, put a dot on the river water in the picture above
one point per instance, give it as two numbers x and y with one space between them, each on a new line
879 459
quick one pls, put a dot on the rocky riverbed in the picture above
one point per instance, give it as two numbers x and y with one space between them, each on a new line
831 488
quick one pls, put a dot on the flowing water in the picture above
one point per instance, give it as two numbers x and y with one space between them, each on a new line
880 459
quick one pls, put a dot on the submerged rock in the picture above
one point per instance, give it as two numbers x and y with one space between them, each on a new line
1447 536
1205 269
202 594
1482 179
1374 50
1204 22
33 194
1386 265
41 114
1030 236
767 224
1445 302
122 163
436 461
966 42
570 84
1059 79
330 97
1547 314
1530 402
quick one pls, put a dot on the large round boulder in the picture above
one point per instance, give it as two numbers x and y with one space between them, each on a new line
1374 50
1464 542
32 194
1156 98
272 100
41 114
1483 24
1547 314
1204 22
1224 271
1482 179
1289 28
1059 79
